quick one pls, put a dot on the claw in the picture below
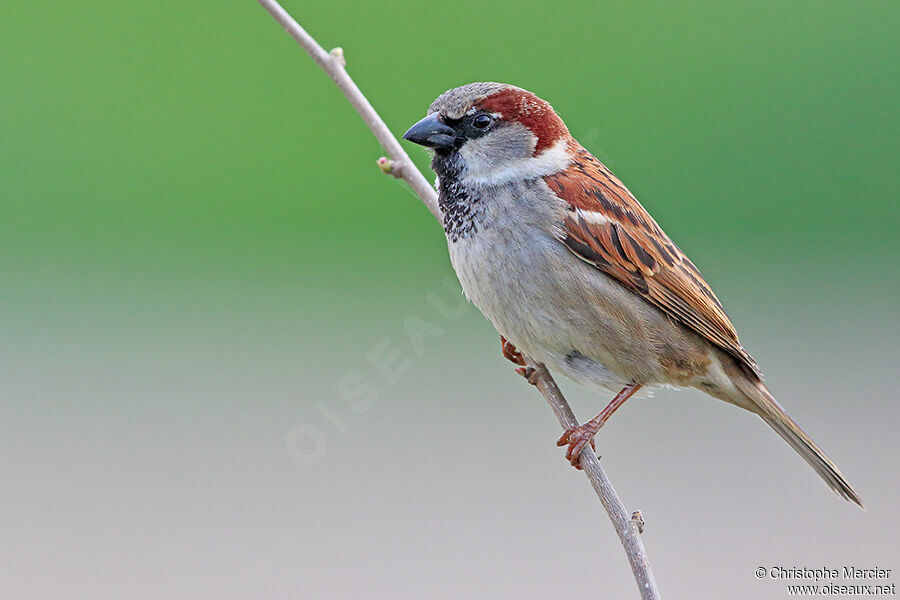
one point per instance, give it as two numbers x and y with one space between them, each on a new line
510 353
527 373
576 439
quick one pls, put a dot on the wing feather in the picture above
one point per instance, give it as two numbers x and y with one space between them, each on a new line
608 228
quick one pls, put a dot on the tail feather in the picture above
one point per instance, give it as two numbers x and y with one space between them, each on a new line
813 455
776 417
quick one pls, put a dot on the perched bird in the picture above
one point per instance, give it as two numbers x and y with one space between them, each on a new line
572 270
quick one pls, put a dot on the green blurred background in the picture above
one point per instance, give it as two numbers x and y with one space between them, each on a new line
199 258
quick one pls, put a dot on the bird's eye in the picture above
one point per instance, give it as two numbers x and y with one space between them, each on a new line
481 121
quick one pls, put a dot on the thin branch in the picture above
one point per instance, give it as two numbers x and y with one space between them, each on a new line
628 528
334 64
399 165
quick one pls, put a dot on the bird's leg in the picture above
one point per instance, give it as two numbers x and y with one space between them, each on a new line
510 352
577 437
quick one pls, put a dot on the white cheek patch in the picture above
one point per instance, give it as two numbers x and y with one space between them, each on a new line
486 168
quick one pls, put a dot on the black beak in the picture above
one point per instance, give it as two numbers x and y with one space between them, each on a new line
432 132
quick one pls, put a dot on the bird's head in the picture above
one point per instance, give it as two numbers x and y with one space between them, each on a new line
492 133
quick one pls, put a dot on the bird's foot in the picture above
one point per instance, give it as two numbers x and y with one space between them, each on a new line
576 439
510 352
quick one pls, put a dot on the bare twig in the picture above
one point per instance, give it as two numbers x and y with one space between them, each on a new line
334 64
399 165
629 529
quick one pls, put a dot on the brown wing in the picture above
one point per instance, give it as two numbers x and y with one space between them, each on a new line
608 228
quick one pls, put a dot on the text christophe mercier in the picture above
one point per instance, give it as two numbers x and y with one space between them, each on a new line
824 573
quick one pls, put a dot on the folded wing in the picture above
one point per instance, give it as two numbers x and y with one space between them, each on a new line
609 229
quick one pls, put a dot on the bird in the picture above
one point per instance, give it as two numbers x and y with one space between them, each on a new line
574 273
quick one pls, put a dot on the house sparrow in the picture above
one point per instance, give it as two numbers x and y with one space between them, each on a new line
572 270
